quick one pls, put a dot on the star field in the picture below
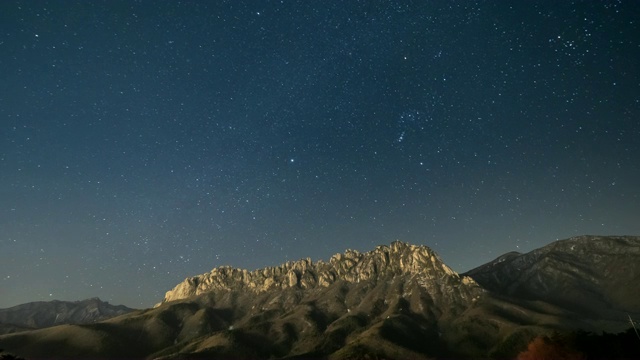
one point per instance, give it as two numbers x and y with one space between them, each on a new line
146 141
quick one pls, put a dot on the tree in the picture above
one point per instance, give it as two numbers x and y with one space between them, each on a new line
9 356
545 348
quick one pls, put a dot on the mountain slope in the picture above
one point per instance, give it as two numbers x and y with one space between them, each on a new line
388 301
597 277
42 314
395 302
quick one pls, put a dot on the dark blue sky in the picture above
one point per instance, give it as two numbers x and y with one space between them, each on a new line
146 141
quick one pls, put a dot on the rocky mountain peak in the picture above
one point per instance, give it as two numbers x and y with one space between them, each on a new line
352 266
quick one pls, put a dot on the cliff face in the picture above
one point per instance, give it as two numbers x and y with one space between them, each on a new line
595 275
418 262
397 301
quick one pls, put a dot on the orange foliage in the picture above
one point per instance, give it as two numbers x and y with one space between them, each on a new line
543 348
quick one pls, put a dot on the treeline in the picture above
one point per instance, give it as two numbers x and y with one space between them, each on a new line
582 345
5 356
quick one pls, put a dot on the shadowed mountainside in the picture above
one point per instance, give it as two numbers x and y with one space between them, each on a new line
395 302
597 277
43 314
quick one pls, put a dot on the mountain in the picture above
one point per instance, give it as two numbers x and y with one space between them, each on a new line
395 302
419 263
597 277
43 314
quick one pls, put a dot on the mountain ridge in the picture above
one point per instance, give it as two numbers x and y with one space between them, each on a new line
351 266
396 302
41 314
604 266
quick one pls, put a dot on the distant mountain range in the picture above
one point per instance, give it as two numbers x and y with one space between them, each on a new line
43 314
394 302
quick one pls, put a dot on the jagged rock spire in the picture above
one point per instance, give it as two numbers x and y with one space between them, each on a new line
399 258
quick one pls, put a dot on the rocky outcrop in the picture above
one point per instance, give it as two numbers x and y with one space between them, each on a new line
49 313
596 276
353 267
395 302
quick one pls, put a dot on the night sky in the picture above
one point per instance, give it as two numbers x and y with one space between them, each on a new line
142 142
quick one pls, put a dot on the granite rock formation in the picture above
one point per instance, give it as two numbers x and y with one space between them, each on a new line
418 262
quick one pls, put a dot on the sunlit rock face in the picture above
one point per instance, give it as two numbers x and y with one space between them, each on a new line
353 298
399 259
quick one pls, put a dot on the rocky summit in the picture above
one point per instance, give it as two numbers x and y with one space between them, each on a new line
418 262
394 302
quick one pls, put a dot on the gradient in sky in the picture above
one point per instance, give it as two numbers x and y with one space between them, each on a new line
142 142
